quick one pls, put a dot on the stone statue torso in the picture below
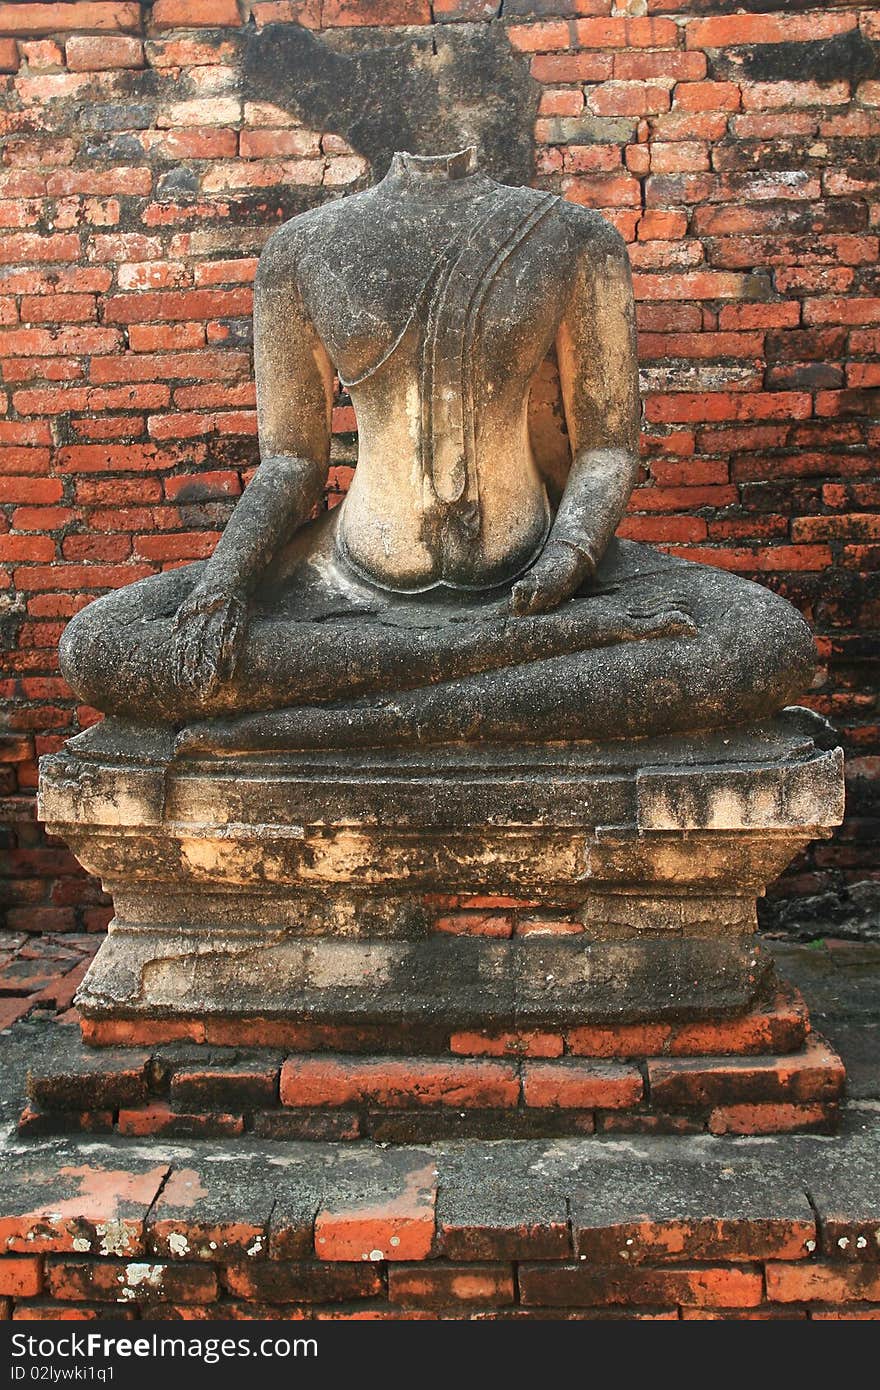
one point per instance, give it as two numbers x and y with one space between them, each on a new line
437 296
437 299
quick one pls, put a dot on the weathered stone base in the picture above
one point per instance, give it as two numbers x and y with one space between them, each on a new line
759 1073
457 888
534 941
573 1229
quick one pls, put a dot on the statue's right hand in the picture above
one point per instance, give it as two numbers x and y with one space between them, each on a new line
209 629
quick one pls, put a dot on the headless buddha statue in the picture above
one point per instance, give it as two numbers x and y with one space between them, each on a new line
464 589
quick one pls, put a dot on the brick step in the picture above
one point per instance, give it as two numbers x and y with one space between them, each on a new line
508 1230
776 1025
192 1092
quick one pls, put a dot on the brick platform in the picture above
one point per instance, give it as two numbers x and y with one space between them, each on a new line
649 1228
760 1073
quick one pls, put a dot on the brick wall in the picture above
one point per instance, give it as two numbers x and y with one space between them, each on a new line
736 152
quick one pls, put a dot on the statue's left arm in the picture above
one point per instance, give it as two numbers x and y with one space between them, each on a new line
598 368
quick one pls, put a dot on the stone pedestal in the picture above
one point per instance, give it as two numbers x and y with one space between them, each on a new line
562 901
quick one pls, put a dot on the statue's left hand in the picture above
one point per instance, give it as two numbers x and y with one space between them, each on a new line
209 628
555 576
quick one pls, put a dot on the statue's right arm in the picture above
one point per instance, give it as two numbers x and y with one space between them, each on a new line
294 380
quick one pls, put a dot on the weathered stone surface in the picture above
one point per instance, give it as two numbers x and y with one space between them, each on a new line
298 873
91 1081
381 1208
487 1209
690 1226
632 1212
471 574
57 1197
211 1210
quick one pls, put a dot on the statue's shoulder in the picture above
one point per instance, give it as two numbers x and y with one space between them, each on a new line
314 229
591 233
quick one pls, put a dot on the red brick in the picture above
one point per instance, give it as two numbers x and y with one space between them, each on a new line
17 18
780 1027
759 96
398 1082
650 1240
89 53
655 225
620 34
773 1119
540 37
27 489
283 1282
602 190
140 1032
183 304
184 545
697 284
822 1282
815 1074
159 337
158 1118
209 366
584 1285
576 1085
179 14
524 1044
117 179
248 1086
355 12
475 924
687 405
8 55
547 926
11 1010
566 101
13 548
586 159
41 518
722 31
20 1276
572 67
116 1281
201 487
438 1286
44 1311
30 246
852 311
678 156
628 99
36 1121
708 96
668 67
58 308
226 272
699 345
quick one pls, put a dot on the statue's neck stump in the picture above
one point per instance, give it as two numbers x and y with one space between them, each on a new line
427 173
